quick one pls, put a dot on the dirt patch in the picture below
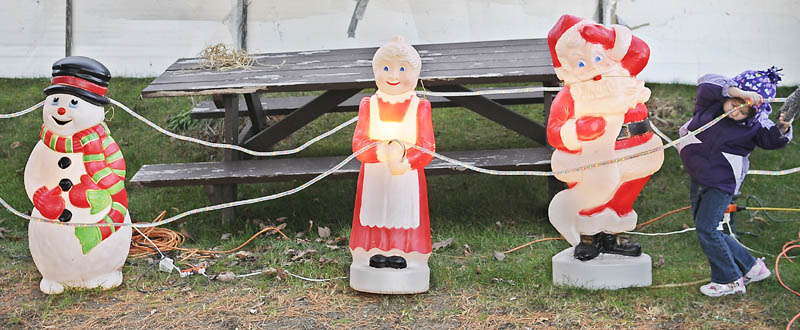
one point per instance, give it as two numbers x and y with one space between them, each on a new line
287 304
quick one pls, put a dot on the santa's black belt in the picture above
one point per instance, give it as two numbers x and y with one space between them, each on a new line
635 128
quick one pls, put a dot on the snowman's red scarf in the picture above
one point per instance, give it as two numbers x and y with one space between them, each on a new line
105 165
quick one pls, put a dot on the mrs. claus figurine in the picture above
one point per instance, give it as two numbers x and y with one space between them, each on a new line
76 174
391 236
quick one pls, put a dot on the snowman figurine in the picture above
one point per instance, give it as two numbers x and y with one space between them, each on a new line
76 174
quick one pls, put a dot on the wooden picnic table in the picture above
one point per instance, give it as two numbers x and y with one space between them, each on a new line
342 74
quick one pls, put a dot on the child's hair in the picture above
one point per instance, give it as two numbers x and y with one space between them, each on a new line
398 47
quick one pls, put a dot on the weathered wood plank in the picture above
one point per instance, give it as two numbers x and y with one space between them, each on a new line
447 49
285 105
349 80
497 113
255 112
265 139
284 169
349 68
288 71
230 131
289 62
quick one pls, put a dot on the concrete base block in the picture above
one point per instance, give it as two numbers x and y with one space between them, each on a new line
413 279
607 271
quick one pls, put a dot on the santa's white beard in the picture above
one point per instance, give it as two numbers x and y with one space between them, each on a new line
605 87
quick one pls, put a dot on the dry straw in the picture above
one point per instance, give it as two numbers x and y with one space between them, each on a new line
220 57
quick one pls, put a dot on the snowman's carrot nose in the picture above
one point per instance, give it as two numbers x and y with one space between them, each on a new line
62 111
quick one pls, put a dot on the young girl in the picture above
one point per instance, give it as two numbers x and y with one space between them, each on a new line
717 162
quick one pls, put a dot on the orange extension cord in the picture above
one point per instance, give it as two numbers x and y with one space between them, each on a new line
168 240
561 238
786 248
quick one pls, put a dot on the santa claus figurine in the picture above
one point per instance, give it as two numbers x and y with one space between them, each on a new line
391 236
599 115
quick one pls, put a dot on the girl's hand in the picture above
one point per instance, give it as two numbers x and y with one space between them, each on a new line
784 125
754 98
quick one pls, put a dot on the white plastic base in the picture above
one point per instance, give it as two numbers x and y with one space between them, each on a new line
607 271
413 279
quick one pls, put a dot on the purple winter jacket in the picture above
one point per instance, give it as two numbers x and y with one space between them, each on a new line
719 156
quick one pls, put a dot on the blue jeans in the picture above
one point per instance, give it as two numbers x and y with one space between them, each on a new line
729 260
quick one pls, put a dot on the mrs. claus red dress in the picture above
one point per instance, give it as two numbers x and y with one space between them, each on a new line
391 211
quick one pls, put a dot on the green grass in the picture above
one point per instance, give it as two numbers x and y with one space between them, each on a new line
466 207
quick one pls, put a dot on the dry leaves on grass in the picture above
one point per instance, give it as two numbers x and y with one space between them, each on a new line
442 244
324 232
500 256
296 255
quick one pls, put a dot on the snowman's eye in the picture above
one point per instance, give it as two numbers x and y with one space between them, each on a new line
402 69
598 58
386 68
73 104
55 101
581 64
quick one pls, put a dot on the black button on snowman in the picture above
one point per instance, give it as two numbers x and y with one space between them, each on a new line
64 162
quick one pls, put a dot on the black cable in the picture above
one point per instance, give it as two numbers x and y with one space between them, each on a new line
766 214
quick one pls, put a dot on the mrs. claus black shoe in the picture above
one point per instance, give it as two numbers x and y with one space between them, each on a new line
396 262
377 261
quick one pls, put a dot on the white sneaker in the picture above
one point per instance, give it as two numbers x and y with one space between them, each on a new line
715 289
758 272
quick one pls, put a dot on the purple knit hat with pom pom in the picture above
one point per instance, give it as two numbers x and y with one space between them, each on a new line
763 82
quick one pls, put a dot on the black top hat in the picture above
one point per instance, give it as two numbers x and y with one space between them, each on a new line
80 76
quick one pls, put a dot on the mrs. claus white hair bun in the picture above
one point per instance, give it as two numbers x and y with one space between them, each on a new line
398 47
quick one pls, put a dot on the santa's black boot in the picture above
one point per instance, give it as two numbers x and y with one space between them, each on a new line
615 244
589 247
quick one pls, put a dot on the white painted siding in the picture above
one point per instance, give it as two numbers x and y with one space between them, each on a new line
284 25
31 37
141 38
690 38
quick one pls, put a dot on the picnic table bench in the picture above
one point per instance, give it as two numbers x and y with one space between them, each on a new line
342 74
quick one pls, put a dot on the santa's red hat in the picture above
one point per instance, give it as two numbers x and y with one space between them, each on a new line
631 51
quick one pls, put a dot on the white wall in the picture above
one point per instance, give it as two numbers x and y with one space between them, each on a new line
689 38
141 38
31 37
284 25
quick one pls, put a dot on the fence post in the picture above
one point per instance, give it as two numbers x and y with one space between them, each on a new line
241 6
68 33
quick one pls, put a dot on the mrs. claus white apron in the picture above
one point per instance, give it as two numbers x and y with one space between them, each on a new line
393 210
